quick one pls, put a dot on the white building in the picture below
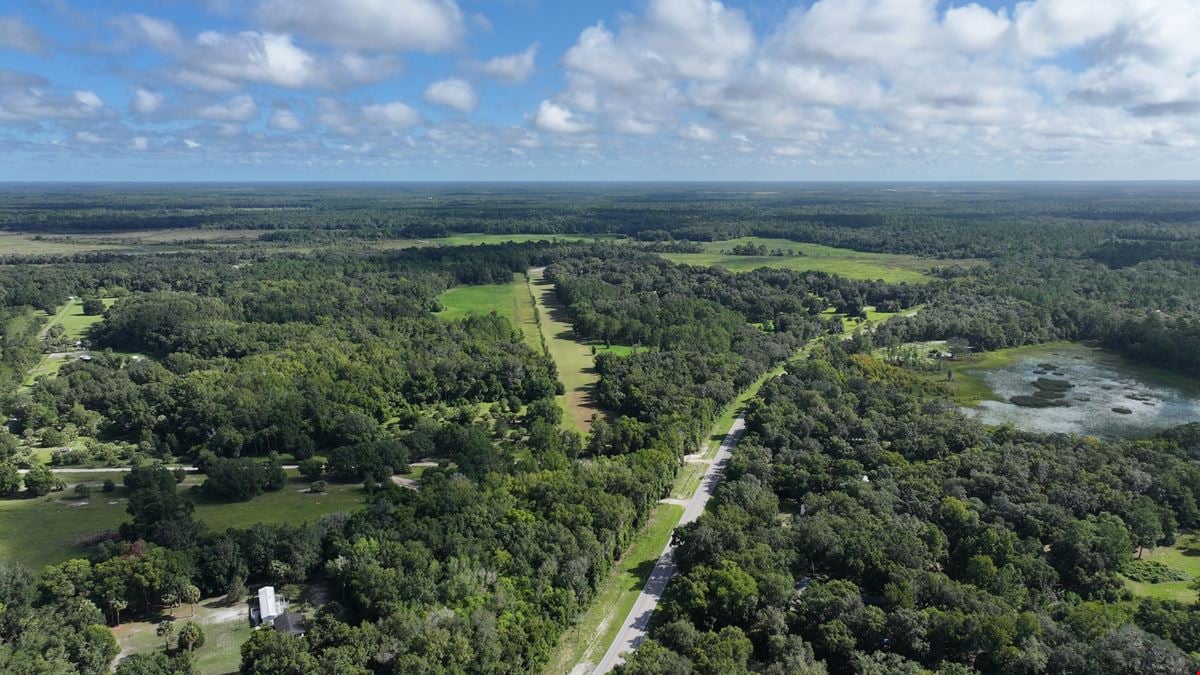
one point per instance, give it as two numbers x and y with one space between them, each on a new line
268 606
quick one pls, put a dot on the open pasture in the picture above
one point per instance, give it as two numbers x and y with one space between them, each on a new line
59 526
815 257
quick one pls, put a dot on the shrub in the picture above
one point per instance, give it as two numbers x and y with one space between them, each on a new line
311 469
1153 572
51 437
317 487
109 485
242 479
93 306
41 481
83 491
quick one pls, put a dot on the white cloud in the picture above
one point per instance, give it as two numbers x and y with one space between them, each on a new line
237 109
850 79
423 25
284 120
191 145
146 102
512 68
975 29
556 119
632 79
453 93
90 138
28 98
215 61
158 33
394 116
698 132
1046 27
88 99
16 34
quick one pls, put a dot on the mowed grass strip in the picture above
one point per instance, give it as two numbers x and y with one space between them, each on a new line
587 641
573 358
512 301
845 262
57 527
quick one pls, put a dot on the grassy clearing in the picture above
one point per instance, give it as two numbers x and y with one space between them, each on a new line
1184 556
75 323
14 244
512 301
587 641
226 628
57 527
845 262
76 326
573 358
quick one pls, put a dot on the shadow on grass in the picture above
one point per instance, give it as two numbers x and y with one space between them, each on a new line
642 573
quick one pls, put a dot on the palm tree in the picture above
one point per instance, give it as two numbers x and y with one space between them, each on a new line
191 595
166 628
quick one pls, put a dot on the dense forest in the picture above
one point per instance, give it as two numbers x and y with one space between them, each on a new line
864 524
862 528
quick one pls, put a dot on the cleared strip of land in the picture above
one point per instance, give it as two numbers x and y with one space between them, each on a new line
576 367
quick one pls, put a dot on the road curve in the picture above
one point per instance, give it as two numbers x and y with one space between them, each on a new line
633 629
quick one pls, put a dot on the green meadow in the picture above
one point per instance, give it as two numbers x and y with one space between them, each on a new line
512 301
1183 556
815 257
50 529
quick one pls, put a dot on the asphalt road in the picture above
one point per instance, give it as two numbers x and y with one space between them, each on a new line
633 629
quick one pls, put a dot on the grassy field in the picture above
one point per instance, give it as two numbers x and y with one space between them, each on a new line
75 325
512 301
842 261
56 527
576 366
587 641
225 628
1184 556
15 244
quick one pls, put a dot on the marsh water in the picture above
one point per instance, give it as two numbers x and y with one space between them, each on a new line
1108 396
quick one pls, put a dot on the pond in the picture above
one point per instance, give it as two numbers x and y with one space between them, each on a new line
1072 388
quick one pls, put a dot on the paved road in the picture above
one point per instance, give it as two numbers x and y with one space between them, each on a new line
633 629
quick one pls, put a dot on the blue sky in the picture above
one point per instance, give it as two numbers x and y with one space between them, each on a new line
637 90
